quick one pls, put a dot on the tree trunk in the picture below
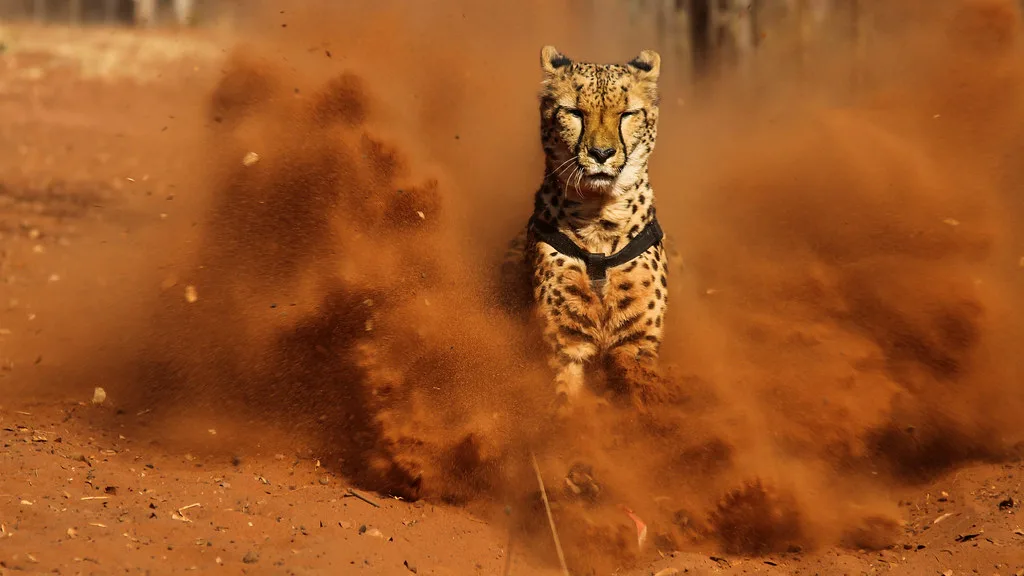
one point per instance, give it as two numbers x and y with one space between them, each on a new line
184 11
145 13
39 11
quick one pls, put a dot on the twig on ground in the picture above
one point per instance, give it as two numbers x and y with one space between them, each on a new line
352 492
551 519
508 549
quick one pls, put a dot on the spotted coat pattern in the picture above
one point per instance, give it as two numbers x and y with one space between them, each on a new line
598 128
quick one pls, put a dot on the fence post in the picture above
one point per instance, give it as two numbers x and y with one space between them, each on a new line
682 41
860 51
743 35
702 34
145 12
802 37
184 11
75 12
39 11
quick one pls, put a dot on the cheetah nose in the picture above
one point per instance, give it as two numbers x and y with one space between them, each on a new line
601 155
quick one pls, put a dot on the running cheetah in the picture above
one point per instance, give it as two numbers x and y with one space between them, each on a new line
592 253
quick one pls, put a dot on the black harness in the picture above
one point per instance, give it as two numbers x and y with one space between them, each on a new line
597 264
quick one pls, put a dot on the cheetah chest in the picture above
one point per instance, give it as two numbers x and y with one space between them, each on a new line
588 316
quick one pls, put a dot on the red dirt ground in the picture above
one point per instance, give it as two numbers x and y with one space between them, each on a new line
103 197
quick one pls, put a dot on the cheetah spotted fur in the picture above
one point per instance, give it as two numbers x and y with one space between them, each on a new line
599 123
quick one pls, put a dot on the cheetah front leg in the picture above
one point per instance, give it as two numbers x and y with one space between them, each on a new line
569 377
570 349
633 372
568 380
568 311
641 297
631 364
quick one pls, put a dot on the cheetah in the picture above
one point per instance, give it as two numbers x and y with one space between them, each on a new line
591 261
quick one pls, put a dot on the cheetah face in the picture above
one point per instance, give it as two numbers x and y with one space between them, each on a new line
598 121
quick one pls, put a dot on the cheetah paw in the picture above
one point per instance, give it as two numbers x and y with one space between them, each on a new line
579 483
562 406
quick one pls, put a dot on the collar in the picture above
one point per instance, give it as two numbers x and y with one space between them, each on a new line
597 264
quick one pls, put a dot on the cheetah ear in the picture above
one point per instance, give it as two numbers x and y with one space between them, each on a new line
551 60
646 66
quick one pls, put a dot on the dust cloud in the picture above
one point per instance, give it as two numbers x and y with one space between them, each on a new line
843 326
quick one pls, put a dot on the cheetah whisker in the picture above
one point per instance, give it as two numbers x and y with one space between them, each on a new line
561 166
568 169
565 189
578 178
576 186
558 171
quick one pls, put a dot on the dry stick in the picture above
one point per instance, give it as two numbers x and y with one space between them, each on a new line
508 550
352 492
508 555
551 520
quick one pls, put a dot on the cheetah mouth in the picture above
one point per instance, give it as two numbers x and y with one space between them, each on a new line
599 180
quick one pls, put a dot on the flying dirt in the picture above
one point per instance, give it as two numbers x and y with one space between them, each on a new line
844 322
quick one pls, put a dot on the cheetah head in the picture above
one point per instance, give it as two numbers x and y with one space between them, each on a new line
598 121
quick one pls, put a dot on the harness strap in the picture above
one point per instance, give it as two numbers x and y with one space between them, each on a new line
597 264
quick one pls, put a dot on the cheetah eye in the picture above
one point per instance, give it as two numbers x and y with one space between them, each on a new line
574 112
628 113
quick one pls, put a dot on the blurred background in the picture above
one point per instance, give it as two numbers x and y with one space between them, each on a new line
700 37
